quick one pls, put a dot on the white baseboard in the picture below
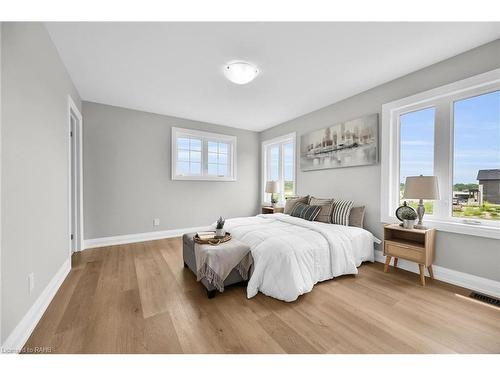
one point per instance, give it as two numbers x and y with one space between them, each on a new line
18 337
139 237
465 280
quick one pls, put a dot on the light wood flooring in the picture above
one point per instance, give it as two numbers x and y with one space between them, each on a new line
138 298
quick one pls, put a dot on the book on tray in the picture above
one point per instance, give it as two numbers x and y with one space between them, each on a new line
206 235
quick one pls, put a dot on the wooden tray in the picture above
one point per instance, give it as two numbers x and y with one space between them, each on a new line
212 241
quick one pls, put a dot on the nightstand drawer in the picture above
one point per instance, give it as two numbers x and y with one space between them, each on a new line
272 210
405 251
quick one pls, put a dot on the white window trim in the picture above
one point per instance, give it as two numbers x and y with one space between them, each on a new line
291 137
442 99
205 136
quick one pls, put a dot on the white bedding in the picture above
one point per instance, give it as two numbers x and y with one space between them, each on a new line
291 254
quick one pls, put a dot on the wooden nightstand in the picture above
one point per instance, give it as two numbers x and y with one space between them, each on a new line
416 245
272 210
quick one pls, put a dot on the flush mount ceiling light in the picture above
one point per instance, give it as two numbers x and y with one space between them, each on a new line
240 72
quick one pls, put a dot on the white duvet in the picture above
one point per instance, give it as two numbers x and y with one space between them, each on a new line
291 254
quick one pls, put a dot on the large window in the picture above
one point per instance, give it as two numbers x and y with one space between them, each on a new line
452 132
278 164
476 161
198 155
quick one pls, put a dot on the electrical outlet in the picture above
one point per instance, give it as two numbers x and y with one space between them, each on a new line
156 222
31 282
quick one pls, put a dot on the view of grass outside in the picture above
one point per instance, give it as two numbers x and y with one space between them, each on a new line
288 189
486 211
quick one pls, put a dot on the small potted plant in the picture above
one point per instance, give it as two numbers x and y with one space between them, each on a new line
409 217
219 228
274 201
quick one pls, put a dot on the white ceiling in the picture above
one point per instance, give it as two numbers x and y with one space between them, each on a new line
176 68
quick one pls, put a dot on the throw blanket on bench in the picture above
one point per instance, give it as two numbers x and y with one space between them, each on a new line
215 263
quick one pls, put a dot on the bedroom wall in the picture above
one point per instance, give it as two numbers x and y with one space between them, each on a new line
34 156
127 175
474 255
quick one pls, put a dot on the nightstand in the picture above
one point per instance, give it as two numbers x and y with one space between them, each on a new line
416 245
272 210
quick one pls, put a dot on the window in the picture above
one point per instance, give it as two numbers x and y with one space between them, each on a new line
198 155
278 164
476 157
416 150
452 132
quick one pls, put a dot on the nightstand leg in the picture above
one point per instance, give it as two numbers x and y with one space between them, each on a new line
395 263
387 263
431 273
422 274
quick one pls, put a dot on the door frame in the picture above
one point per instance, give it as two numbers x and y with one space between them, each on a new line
73 110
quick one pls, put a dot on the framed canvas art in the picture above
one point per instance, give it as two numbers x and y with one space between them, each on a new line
347 144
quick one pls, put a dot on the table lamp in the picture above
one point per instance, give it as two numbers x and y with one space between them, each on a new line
272 187
421 187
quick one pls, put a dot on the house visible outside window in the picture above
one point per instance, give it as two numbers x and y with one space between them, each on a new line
452 132
199 155
278 164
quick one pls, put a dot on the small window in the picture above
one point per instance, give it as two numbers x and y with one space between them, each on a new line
278 164
218 158
198 155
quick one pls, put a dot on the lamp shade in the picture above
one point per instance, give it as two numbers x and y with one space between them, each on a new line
272 187
421 187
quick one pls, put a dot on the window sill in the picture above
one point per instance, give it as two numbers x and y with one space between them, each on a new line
452 226
202 178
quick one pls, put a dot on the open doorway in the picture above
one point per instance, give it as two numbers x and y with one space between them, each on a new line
75 176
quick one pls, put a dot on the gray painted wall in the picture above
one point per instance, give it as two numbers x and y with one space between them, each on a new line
127 175
474 255
34 193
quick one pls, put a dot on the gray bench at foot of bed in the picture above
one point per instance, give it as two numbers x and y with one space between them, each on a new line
190 261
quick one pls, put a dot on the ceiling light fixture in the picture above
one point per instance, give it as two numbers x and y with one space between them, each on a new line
240 72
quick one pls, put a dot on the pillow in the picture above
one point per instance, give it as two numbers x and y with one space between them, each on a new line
325 215
290 203
357 216
341 211
305 211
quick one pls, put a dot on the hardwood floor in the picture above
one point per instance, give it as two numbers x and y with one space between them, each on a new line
138 298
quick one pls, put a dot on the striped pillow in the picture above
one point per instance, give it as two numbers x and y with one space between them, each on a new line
290 203
305 211
325 215
341 211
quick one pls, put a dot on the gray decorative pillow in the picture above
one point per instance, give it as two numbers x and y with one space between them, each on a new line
290 203
356 217
341 211
325 215
305 211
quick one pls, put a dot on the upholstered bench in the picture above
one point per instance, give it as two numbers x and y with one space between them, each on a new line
188 255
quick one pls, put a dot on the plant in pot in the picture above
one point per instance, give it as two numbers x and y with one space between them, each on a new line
409 217
219 228
274 200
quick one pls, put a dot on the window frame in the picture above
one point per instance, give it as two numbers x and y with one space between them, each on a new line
205 138
278 141
443 99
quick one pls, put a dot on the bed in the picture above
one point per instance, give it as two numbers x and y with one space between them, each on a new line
291 255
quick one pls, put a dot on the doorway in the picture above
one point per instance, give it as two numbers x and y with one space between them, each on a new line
75 178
